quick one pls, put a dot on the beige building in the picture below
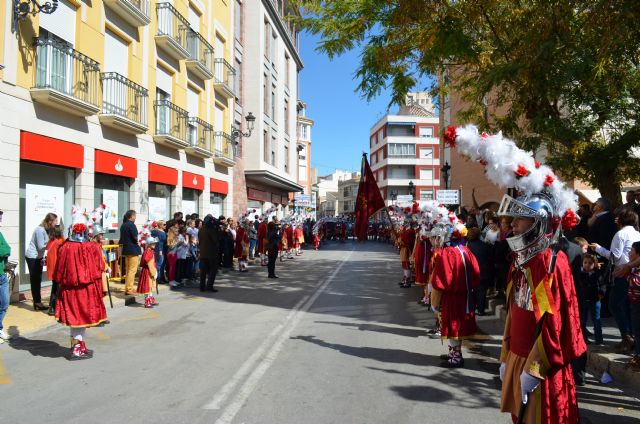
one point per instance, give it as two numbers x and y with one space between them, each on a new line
347 195
304 147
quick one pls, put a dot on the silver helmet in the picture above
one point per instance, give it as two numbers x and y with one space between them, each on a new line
539 207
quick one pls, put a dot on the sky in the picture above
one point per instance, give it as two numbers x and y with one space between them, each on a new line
342 117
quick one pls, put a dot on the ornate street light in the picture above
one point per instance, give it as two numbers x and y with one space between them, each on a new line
412 189
445 174
22 8
236 132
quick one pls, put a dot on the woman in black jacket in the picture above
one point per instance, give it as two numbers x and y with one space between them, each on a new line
130 249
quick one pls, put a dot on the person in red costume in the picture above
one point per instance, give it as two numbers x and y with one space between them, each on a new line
262 241
148 275
455 276
241 251
290 241
542 332
298 239
79 274
422 263
406 242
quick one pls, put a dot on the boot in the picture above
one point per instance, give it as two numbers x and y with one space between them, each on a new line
152 301
147 302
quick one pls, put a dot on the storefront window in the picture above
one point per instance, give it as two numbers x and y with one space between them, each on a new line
43 189
217 204
160 201
190 201
113 192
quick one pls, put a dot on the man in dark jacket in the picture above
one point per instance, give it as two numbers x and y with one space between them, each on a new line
209 244
130 249
273 237
602 226
484 255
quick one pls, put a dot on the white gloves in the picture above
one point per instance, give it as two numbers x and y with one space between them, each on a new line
528 384
503 367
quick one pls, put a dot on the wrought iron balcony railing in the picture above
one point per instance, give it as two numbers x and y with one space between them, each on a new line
223 146
173 25
67 71
223 76
200 134
171 120
124 98
200 55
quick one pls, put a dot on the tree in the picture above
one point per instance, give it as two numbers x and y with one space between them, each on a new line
561 75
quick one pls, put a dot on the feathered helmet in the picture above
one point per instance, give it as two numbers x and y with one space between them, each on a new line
79 223
95 218
267 214
544 198
440 223
145 234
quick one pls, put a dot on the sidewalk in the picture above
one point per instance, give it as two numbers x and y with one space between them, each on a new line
599 358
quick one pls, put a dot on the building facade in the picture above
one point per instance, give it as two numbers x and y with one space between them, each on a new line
303 147
140 104
405 150
347 195
326 189
270 66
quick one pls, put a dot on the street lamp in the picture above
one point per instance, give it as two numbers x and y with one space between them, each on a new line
22 8
394 196
412 189
445 174
236 132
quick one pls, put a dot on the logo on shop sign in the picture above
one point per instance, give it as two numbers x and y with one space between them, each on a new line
118 166
195 180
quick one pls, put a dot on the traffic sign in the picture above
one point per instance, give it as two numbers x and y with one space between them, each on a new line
448 197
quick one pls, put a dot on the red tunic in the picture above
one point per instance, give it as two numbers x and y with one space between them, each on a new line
144 283
531 295
78 270
422 260
298 237
457 305
262 235
289 232
241 234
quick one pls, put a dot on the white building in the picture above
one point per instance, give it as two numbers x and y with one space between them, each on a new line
405 151
269 78
327 191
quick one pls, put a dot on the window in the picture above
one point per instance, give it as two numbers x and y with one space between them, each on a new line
159 201
265 89
286 70
237 82
273 151
55 67
273 102
192 108
426 153
238 23
380 133
267 38
426 131
163 114
194 19
426 194
286 116
273 48
402 150
345 192
286 158
426 174
117 50
265 147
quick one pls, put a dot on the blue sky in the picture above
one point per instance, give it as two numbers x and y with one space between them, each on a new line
342 118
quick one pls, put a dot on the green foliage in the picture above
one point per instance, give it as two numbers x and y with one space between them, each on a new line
556 74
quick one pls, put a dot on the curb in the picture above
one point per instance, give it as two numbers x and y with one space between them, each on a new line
597 362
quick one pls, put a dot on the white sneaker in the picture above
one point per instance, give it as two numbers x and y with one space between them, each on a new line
3 336
173 283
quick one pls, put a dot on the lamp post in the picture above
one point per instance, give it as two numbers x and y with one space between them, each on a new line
445 174
22 8
412 189
394 196
237 132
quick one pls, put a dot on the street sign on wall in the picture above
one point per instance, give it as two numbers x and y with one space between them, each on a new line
305 201
448 197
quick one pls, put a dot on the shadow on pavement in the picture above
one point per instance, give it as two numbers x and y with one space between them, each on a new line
404 332
43 348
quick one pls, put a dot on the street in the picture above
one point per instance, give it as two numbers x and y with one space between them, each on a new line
334 340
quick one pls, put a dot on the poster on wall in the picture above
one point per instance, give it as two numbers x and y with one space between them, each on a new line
110 216
188 207
215 209
158 208
39 201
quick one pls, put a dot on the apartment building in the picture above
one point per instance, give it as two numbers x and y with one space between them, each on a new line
348 194
405 150
326 189
126 103
303 147
270 65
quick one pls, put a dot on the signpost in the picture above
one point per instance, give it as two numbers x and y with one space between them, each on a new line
448 197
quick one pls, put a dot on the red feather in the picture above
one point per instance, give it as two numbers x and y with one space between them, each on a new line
450 136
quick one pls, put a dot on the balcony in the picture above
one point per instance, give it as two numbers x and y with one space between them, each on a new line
200 135
124 104
223 78
173 30
171 125
200 61
66 79
223 149
135 12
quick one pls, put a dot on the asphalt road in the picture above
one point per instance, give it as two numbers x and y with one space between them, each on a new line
334 340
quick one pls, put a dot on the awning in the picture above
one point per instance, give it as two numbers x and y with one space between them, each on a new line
40 148
163 174
194 181
273 180
114 164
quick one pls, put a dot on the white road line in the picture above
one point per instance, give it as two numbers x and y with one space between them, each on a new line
258 372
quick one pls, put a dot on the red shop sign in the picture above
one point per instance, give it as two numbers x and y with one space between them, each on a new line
190 180
113 164
40 148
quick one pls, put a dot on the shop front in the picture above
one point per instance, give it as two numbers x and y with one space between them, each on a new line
218 190
162 184
113 177
266 189
192 188
48 169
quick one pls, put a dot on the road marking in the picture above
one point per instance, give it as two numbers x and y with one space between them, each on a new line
4 377
148 315
265 363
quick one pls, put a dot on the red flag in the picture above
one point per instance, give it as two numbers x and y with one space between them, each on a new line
369 200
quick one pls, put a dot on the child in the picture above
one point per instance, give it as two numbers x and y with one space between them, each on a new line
98 237
584 244
634 304
56 238
148 275
593 294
